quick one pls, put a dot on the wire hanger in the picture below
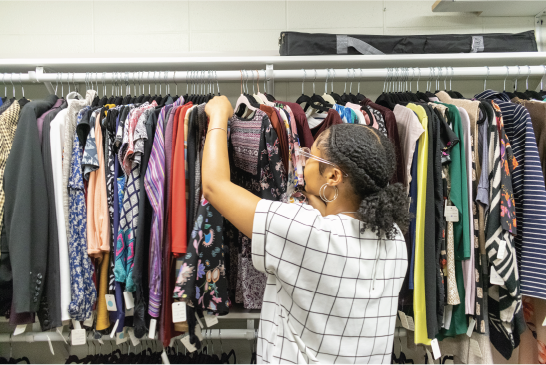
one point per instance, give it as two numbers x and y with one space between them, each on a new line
485 80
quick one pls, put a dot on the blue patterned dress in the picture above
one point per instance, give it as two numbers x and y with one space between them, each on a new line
82 286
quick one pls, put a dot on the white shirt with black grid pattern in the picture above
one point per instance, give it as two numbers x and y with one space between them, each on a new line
332 291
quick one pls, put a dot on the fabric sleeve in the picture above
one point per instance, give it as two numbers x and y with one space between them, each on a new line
282 231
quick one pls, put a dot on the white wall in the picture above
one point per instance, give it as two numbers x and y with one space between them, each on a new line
43 29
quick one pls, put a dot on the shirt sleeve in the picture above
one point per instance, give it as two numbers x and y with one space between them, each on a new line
281 230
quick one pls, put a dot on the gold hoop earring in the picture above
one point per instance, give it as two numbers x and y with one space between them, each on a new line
322 194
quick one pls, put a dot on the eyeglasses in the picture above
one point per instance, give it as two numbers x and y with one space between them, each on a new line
304 153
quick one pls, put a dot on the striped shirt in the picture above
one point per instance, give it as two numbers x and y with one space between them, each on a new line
529 194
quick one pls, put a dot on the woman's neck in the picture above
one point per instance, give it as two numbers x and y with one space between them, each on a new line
348 207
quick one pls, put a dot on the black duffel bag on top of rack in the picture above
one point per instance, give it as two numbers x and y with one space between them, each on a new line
313 44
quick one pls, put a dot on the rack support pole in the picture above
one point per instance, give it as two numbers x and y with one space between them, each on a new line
270 79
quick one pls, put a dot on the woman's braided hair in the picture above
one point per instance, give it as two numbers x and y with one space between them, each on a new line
368 157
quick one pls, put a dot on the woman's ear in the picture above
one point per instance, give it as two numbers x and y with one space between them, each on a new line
334 176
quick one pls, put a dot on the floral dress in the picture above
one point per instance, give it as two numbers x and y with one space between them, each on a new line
83 291
202 277
256 165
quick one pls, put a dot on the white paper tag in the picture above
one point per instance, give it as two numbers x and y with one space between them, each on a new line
495 278
101 341
134 340
451 213
60 332
179 312
164 357
111 302
429 355
199 320
186 342
448 311
50 345
411 323
89 321
403 320
198 332
129 300
544 322
130 312
435 349
76 325
121 337
502 250
471 325
78 337
20 329
151 332
211 320
113 333
475 347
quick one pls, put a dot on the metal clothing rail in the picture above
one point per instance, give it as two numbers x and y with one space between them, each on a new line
204 76
213 334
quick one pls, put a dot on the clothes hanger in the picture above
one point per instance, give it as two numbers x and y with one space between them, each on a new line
336 97
542 93
516 92
359 96
263 95
328 98
317 99
345 97
531 94
13 88
257 97
303 98
23 100
4 98
243 101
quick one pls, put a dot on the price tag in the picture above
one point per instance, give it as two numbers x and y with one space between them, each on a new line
199 320
113 333
111 303
164 357
60 332
448 311
129 300
179 312
495 278
134 340
151 332
429 356
471 325
78 337
198 332
89 321
502 250
20 329
451 213
121 337
411 323
130 312
403 319
76 325
475 347
435 349
211 320
50 345
186 342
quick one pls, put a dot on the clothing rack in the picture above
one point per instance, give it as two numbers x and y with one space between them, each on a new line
269 75
214 334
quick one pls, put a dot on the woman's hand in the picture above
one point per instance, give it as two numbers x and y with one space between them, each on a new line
219 110
316 202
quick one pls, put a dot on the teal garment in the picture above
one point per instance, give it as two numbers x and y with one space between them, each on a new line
461 230
347 115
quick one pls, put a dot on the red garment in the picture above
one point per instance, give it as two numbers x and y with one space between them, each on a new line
392 133
281 133
304 133
331 119
178 201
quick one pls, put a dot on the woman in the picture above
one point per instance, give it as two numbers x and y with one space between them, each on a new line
334 267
